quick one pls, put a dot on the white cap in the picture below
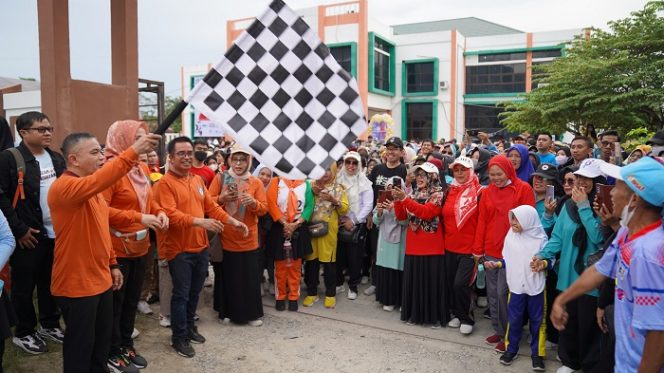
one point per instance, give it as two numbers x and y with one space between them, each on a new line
354 155
611 170
427 167
590 168
463 161
237 148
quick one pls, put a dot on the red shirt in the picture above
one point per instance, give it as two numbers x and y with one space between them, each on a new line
420 242
459 241
205 172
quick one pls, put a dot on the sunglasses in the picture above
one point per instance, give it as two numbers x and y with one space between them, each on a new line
350 163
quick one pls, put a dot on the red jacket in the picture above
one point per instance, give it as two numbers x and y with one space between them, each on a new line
495 204
420 242
459 241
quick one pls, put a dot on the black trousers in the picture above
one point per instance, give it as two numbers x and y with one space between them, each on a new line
460 274
88 333
125 301
372 248
349 256
578 344
311 277
552 292
32 268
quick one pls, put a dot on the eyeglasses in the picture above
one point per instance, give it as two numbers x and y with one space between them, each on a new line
184 154
238 160
568 181
41 130
350 163
606 143
421 174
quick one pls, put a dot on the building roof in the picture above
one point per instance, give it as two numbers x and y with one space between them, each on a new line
469 27
27 85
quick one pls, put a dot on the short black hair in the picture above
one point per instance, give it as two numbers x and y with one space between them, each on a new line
545 134
26 119
609 133
587 139
200 142
72 140
170 148
429 141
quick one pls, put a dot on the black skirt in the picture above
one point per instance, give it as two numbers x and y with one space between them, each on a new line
423 300
241 286
389 285
7 316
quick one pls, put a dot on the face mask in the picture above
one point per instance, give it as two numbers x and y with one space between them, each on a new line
213 167
657 150
626 215
561 159
475 163
200 156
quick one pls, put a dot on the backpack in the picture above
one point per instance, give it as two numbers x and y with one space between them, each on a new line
20 171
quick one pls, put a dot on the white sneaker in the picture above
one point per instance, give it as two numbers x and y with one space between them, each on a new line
371 290
482 302
365 280
164 321
454 323
388 308
257 322
135 333
144 308
352 295
465 329
341 289
209 281
564 369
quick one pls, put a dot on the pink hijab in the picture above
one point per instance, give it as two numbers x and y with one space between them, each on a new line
121 135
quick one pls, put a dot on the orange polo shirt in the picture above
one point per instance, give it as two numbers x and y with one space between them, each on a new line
184 198
83 250
125 215
231 238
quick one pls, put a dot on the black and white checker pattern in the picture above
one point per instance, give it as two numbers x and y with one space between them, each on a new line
281 94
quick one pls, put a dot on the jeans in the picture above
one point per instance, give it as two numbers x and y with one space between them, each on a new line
188 272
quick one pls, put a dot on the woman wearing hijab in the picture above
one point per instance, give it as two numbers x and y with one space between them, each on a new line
330 202
639 152
243 197
360 200
505 192
290 205
133 211
459 215
391 250
264 174
481 158
576 235
424 299
518 155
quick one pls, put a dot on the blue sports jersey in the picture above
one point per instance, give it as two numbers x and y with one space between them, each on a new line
637 265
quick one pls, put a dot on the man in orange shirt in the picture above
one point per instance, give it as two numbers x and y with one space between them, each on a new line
186 201
84 267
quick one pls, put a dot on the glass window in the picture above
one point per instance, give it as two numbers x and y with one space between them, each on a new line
344 56
419 77
483 118
382 55
496 78
496 57
419 120
547 54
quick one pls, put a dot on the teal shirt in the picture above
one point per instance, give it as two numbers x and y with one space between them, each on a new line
388 254
561 242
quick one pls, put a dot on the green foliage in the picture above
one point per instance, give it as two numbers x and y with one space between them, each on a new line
170 104
614 79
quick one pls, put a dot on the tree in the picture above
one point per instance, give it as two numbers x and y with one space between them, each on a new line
149 111
613 79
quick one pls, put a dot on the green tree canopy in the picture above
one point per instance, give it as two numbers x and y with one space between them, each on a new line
613 79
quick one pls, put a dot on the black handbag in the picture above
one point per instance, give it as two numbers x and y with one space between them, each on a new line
318 229
356 235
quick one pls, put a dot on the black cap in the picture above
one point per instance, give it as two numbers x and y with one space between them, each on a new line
547 171
522 137
394 141
657 139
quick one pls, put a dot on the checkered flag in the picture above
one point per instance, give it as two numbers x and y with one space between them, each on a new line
280 93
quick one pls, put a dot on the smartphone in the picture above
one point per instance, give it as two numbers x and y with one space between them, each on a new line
384 196
550 192
603 193
472 132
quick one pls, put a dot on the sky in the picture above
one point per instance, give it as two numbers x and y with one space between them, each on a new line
175 33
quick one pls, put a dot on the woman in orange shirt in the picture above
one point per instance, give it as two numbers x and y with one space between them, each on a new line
243 197
135 211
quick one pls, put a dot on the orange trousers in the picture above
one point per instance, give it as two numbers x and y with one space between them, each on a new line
285 275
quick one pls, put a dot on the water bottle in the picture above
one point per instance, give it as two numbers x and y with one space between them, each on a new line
481 277
288 253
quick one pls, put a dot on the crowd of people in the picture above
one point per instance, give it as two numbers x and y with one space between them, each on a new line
564 238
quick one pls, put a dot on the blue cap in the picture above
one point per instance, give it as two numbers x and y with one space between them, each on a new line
645 177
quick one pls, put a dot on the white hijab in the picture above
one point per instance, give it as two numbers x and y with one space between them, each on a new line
355 184
532 233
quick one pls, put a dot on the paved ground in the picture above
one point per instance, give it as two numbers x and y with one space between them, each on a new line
356 336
